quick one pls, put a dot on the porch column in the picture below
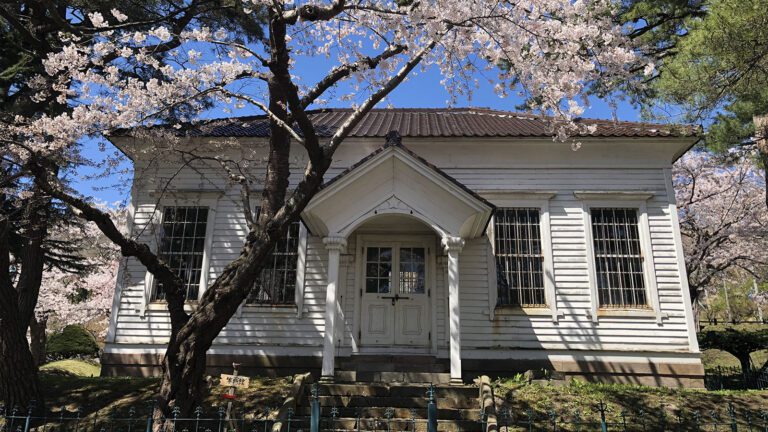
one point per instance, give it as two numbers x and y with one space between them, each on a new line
334 246
453 246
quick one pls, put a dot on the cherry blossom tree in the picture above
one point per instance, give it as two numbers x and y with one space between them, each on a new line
83 297
722 219
549 52
30 31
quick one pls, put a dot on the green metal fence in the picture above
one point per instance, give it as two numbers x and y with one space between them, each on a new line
733 378
603 418
600 417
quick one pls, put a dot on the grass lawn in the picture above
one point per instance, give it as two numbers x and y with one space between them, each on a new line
72 367
639 403
106 395
713 358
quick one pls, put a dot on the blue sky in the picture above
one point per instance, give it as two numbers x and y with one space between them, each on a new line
421 91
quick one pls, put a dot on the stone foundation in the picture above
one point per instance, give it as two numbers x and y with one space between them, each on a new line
661 374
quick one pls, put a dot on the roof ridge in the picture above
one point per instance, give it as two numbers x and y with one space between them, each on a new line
438 122
465 110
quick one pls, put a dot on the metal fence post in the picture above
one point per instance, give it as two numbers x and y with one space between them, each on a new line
603 423
577 421
334 414
553 419
314 421
732 415
77 419
431 410
530 414
290 417
28 421
149 418
357 422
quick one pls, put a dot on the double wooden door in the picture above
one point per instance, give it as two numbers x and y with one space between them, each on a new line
395 296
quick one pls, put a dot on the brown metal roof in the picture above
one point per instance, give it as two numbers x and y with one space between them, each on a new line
435 122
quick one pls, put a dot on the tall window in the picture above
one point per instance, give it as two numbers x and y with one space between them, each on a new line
519 257
276 284
182 244
618 259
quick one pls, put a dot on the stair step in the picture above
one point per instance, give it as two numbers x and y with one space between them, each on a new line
396 390
384 358
396 367
392 377
396 402
397 413
348 424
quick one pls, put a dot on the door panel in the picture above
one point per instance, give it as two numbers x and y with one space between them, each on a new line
377 321
395 305
412 308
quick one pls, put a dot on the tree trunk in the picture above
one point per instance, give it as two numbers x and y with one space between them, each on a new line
18 373
746 369
38 339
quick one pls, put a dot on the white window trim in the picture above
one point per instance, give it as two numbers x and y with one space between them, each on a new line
182 199
623 199
523 199
298 295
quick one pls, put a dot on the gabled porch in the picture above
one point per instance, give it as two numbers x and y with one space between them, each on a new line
408 221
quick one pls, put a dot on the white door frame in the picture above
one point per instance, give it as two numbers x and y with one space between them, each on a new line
430 242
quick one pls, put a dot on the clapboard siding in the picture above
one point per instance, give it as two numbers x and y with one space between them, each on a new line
574 330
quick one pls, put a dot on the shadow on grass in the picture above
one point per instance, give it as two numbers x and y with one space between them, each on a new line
626 407
101 396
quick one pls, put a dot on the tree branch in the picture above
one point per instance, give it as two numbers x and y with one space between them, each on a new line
343 71
130 248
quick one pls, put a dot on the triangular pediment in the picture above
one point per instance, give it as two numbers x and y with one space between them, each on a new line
394 180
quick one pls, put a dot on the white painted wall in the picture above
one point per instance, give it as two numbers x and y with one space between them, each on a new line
480 165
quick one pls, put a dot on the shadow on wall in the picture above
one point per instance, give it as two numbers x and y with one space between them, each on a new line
569 337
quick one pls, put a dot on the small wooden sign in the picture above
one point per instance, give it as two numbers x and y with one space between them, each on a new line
234 381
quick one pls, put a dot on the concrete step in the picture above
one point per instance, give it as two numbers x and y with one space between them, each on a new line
396 402
351 424
385 363
398 413
395 367
401 390
391 358
350 376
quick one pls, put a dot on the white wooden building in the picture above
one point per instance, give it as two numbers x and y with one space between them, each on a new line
479 242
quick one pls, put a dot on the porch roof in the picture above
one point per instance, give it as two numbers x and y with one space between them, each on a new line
395 180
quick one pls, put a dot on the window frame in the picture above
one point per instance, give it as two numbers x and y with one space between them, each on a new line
523 199
530 257
171 199
298 294
624 200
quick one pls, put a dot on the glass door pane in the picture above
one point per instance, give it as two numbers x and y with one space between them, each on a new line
412 264
378 270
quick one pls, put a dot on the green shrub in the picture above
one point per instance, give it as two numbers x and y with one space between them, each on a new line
72 341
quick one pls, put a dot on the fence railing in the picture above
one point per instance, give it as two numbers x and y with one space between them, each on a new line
600 417
604 418
733 378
